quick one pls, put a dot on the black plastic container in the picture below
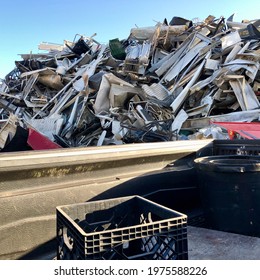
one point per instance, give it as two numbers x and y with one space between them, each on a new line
121 228
230 192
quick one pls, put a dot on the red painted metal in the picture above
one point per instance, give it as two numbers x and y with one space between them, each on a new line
246 130
38 141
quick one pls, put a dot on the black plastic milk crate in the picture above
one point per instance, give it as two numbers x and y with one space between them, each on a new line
129 227
237 147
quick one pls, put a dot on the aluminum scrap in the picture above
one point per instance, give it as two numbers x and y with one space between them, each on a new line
163 83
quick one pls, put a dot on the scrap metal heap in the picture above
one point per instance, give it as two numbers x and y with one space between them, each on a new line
163 83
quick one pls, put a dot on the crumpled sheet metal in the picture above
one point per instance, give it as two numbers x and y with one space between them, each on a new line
163 83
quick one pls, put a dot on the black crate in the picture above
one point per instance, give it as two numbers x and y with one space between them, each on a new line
237 147
123 228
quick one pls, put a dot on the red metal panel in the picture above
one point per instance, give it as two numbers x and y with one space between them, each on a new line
246 130
40 142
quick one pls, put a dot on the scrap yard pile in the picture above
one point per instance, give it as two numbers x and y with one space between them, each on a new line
165 82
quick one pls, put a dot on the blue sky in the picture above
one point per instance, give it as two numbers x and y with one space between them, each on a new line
26 23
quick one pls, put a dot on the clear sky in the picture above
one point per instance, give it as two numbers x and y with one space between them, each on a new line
26 23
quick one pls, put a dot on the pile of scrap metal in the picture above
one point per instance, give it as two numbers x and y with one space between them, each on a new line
166 82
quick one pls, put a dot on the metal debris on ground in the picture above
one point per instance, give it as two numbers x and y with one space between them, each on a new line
166 82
